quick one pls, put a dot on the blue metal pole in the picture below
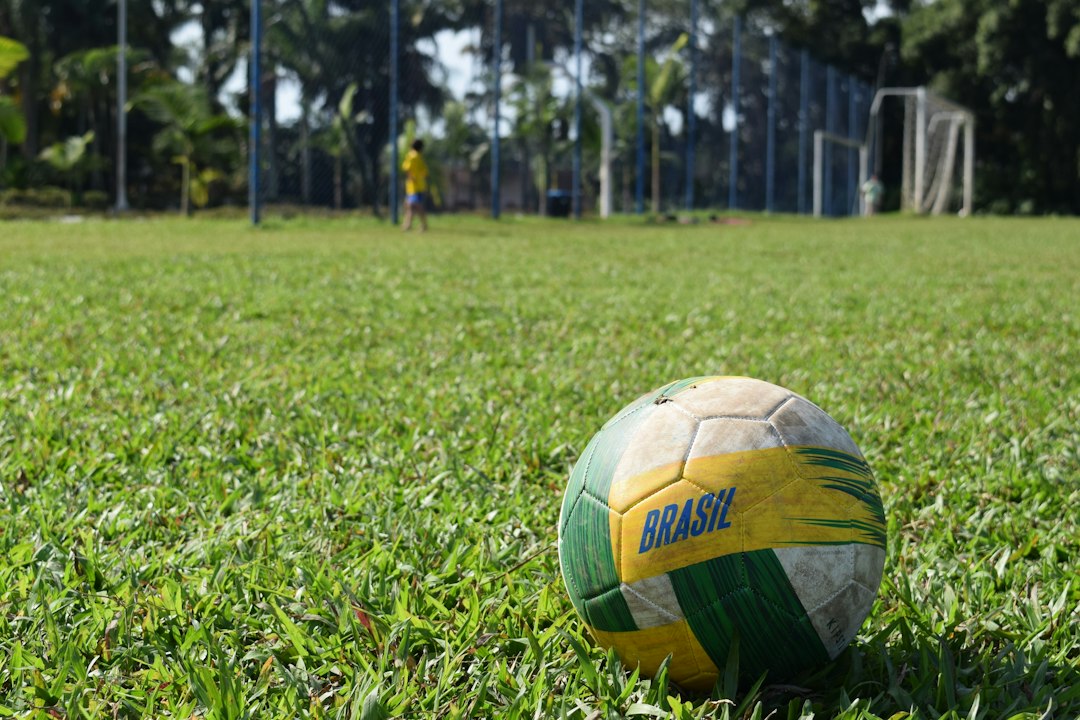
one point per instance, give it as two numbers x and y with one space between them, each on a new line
733 176
121 109
640 185
691 115
852 155
770 131
395 20
496 89
830 126
255 151
579 20
804 124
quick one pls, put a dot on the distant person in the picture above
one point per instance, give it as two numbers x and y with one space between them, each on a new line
416 185
872 191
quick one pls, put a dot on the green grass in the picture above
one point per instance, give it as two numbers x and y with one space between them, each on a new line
315 470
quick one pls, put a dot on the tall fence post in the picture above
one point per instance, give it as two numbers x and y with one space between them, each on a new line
770 130
395 20
733 170
639 188
804 124
496 90
819 144
579 16
920 148
255 151
121 109
830 127
691 116
852 132
969 166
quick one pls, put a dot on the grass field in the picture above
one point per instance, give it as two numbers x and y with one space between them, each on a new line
314 470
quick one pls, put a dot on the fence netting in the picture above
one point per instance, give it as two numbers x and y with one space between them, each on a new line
726 123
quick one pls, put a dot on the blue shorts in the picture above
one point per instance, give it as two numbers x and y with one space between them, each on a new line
415 199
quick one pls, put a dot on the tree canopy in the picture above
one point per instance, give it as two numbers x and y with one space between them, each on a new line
1014 63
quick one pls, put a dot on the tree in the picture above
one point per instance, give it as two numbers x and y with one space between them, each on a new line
337 139
56 29
837 32
189 134
86 81
225 26
539 114
464 144
665 83
332 44
1015 64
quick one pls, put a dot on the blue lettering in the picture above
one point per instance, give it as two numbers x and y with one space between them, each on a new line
648 535
682 528
663 533
706 514
723 513
716 510
701 522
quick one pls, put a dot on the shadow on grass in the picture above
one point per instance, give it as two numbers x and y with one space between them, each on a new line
935 677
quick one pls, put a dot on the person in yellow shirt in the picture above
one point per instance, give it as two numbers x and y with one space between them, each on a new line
416 185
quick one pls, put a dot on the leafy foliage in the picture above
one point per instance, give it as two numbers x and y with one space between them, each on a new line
191 133
12 53
12 122
71 159
540 121
66 156
1014 64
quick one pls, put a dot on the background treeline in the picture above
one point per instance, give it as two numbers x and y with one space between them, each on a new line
1015 63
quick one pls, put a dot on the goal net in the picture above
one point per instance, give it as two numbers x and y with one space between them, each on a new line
938 151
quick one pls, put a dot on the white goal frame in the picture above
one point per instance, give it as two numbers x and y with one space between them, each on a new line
920 122
820 138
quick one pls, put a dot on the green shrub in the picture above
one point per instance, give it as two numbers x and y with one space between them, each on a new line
95 200
43 197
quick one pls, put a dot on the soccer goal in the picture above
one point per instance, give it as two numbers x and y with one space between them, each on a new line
930 174
821 172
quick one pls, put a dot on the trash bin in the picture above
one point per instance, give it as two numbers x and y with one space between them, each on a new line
559 203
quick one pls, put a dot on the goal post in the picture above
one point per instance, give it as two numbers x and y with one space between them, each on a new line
931 141
820 138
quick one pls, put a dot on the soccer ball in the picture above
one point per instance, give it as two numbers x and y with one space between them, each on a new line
716 508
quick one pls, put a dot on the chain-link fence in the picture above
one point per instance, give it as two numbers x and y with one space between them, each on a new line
599 107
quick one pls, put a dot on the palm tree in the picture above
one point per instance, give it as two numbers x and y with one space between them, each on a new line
336 139
225 26
538 112
296 53
188 132
464 145
330 45
86 79
663 83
